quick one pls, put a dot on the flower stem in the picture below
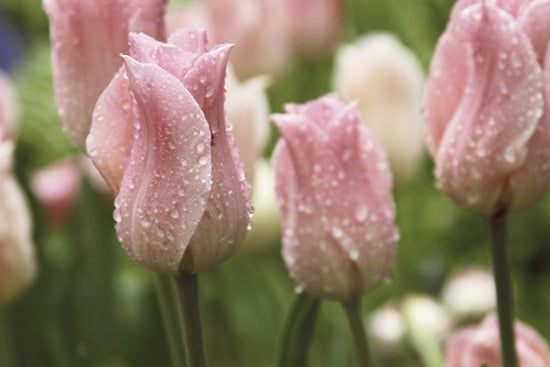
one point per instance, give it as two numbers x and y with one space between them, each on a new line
497 228
298 330
5 356
353 313
171 317
187 286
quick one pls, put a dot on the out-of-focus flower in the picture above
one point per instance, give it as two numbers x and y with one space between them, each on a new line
266 229
486 105
8 108
56 187
315 25
388 328
470 293
334 191
17 262
182 201
248 113
385 79
87 38
259 30
480 344
428 325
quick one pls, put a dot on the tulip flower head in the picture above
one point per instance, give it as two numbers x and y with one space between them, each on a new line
386 79
160 138
486 105
480 344
17 262
87 38
333 185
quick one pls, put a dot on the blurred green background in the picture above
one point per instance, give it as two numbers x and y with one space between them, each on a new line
92 306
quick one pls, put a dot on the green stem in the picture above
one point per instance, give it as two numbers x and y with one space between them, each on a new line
353 313
171 317
188 290
497 227
298 330
5 355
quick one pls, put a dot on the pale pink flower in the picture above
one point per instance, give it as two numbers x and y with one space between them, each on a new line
87 38
56 187
473 346
258 28
17 262
386 80
486 105
334 190
315 25
182 202
8 108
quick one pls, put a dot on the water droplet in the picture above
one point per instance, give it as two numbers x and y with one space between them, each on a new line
175 214
361 212
203 160
116 215
200 147
337 232
126 106
354 254
181 192
131 184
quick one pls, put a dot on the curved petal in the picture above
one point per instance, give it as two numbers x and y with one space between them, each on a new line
83 65
483 130
227 215
112 131
168 178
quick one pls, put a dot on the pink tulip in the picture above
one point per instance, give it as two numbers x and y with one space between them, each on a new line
87 38
182 201
8 108
315 25
56 187
480 344
17 263
258 28
334 190
486 105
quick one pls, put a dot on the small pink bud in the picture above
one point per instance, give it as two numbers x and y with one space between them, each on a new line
8 108
386 80
486 106
182 201
334 186
56 187
480 344
17 262
87 38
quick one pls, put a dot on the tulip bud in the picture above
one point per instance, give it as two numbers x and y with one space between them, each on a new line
486 105
334 191
56 187
386 80
8 108
248 113
470 293
17 263
182 202
87 38
480 344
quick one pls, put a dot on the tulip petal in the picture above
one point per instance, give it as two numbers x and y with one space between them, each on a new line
534 20
483 122
226 217
167 181
112 131
8 108
83 65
